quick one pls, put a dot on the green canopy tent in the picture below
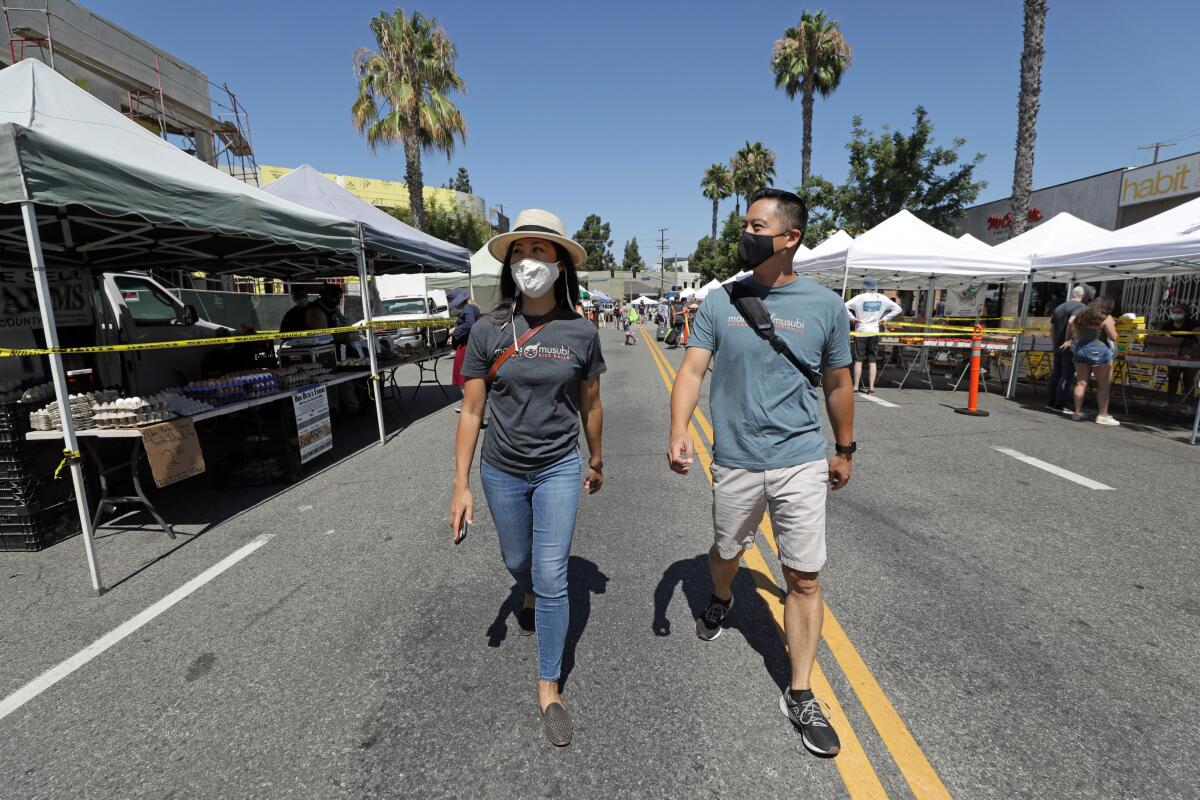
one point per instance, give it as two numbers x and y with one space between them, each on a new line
81 185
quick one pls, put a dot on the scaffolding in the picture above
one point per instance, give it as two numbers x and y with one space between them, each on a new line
166 96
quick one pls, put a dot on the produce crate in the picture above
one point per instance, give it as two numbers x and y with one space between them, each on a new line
38 530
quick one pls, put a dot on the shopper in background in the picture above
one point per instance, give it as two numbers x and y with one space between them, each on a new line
1178 320
293 320
1062 376
867 311
467 317
537 363
678 314
1093 342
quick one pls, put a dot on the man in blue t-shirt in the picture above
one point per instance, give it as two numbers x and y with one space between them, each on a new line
768 449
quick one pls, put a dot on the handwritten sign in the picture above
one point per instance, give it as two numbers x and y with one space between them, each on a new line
173 451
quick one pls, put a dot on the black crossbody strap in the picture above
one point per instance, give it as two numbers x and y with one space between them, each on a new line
755 312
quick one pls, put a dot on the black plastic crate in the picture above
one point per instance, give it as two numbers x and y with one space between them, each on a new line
27 495
38 530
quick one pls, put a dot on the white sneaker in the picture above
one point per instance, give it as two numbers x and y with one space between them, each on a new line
1070 412
1109 420
1078 417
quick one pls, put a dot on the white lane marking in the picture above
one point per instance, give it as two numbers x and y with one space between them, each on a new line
1059 471
55 674
878 400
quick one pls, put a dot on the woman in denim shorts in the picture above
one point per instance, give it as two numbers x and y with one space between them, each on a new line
1092 338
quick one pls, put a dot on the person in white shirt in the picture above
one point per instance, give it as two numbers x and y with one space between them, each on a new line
867 311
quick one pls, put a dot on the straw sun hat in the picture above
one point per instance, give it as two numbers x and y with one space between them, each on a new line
535 223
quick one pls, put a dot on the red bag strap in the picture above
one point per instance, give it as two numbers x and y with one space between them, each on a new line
508 353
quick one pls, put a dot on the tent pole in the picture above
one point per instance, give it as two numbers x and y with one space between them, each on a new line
929 301
1196 424
1025 301
61 393
364 295
846 280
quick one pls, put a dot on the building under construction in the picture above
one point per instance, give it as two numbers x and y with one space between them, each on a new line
168 96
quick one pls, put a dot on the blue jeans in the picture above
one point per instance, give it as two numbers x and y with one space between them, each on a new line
535 519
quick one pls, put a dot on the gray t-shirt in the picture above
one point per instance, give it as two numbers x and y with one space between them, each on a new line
765 412
535 397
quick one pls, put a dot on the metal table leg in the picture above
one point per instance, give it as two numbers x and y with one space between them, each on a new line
139 497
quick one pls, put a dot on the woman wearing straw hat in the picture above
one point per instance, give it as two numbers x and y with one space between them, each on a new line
538 363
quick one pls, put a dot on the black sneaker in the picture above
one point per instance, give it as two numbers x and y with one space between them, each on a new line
808 716
525 620
708 626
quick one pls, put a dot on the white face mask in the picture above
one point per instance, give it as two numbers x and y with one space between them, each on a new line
534 278
1177 317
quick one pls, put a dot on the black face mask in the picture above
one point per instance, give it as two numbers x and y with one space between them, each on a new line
754 249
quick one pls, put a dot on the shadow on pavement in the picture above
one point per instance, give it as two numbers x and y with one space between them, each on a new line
750 616
584 579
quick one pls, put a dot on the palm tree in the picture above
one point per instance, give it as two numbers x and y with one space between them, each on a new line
403 94
753 168
809 60
1027 111
716 186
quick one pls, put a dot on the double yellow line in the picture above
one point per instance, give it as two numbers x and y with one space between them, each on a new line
856 770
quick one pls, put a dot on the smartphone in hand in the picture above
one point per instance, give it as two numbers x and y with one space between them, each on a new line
463 527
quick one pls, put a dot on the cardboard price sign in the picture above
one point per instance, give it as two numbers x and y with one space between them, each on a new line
173 450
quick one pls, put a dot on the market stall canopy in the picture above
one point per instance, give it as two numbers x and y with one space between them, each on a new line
969 239
645 301
1062 231
397 247
703 291
112 195
835 244
1165 243
903 251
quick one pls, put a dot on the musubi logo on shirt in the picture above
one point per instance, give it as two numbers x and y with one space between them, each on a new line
792 325
558 352
872 305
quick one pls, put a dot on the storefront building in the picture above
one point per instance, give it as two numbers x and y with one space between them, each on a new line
1111 200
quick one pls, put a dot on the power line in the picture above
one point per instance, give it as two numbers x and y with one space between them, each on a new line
1155 147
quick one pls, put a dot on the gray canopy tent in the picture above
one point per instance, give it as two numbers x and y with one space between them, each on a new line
393 246
83 186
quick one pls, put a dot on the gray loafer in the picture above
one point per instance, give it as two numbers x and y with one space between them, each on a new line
557 723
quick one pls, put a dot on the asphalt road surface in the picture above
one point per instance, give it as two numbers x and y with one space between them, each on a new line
996 628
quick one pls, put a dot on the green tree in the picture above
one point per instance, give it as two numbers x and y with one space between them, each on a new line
716 259
891 171
632 260
594 237
460 182
456 225
753 167
404 94
716 186
810 60
1028 101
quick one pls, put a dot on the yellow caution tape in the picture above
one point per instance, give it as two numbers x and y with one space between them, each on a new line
68 456
6 352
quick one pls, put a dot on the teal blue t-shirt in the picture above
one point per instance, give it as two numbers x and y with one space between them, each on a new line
765 412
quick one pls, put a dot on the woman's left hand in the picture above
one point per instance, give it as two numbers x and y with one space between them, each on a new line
594 481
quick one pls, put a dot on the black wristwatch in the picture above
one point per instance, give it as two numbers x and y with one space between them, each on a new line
598 467
845 449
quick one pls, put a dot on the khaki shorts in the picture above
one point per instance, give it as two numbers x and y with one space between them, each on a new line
795 497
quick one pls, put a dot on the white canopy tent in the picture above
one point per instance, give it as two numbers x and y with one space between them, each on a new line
83 185
1165 243
969 239
904 252
645 301
703 291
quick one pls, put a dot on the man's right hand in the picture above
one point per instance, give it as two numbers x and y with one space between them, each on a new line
681 453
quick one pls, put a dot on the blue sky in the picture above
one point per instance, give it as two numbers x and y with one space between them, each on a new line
616 108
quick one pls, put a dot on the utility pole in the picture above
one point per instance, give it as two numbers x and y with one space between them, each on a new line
662 260
1155 147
